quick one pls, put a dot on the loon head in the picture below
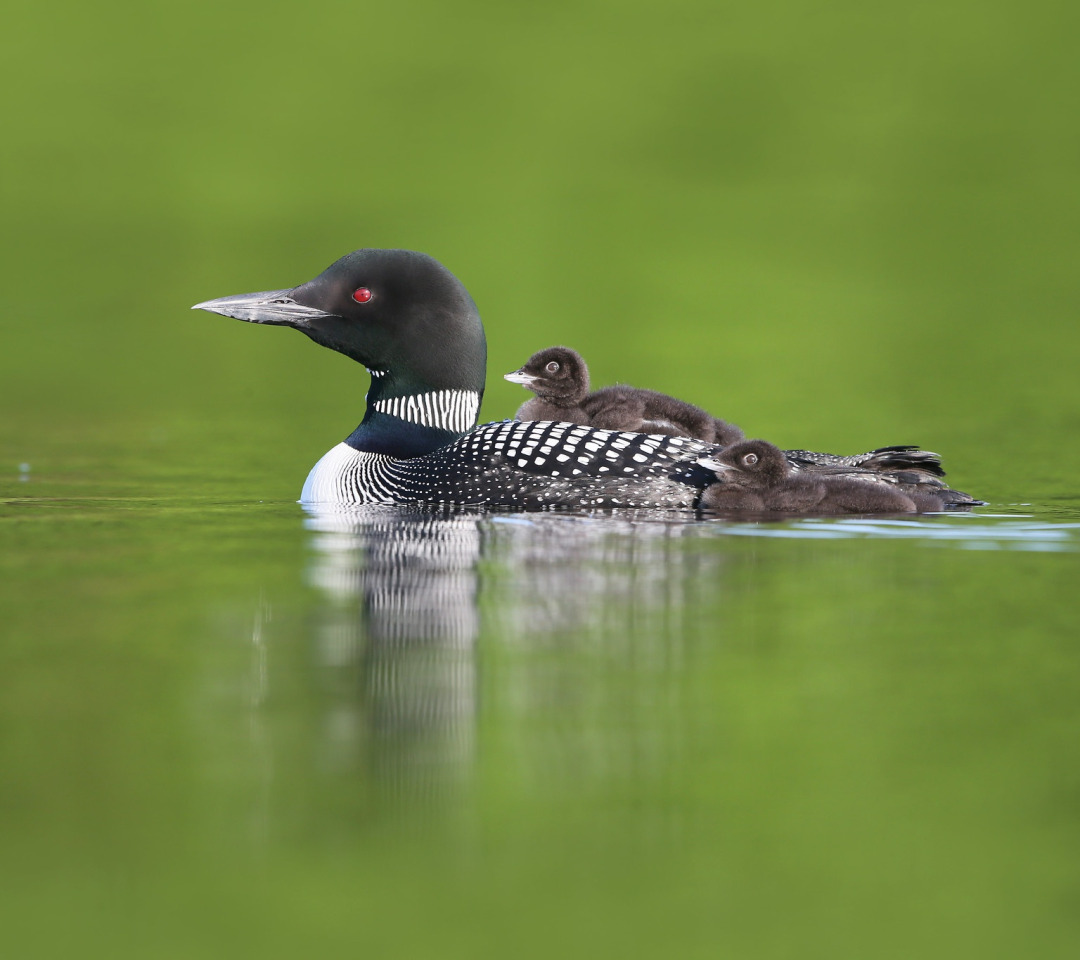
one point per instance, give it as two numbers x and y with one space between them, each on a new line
401 314
748 463
556 374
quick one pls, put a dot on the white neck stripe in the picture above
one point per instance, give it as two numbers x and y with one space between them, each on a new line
445 409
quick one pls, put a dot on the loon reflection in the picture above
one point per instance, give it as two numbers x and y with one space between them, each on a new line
409 596
402 586
401 618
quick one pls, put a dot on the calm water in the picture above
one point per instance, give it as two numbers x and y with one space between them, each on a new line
236 726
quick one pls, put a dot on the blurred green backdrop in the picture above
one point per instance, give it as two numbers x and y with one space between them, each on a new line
836 225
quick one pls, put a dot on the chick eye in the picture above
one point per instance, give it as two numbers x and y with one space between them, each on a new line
552 367
361 294
750 459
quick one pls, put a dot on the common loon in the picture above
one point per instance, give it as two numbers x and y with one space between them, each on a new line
415 328
559 377
754 475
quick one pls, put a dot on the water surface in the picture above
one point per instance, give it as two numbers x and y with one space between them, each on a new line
427 731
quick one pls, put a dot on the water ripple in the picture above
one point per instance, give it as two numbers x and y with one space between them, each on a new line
968 531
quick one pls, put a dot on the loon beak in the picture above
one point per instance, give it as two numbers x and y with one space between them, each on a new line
276 307
715 465
519 376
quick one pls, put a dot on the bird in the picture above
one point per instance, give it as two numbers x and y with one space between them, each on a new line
412 324
559 377
756 476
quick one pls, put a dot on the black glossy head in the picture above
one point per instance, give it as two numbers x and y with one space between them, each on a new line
395 311
558 374
749 463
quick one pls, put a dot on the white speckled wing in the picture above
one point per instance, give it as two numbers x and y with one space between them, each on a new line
529 465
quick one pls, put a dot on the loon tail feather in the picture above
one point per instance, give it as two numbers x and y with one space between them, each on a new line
957 499
904 458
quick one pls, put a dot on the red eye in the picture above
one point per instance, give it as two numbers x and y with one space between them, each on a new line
361 294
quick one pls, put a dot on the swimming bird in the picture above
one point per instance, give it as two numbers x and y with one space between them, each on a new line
412 324
559 377
755 475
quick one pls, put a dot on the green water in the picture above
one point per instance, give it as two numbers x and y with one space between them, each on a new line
229 728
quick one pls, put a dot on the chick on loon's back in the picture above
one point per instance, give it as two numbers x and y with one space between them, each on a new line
415 328
559 377
754 475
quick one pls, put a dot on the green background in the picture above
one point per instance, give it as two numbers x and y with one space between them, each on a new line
836 225
839 225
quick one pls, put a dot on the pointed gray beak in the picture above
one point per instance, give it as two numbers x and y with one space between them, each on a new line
275 307
518 377
715 465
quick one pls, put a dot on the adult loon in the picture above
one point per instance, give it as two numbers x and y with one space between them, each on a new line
415 328
559 377
754 475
